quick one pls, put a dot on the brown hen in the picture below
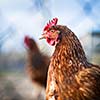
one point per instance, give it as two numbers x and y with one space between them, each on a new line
70 75
37 63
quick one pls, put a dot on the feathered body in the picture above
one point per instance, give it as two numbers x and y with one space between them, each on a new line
70 76
37 63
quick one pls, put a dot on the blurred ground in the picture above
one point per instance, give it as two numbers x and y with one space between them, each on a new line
19 87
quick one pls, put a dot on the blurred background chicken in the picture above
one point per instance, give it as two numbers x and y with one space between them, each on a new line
37 62
70 75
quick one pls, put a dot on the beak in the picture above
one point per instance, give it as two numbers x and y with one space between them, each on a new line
43 36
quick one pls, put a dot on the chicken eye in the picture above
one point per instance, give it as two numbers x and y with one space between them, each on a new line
52 30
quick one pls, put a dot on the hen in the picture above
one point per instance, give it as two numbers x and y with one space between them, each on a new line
37 62
70 75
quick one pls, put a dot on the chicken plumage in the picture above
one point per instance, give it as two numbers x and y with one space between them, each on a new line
70 75
37 62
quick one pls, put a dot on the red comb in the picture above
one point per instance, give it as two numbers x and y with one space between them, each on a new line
26 39
51 23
